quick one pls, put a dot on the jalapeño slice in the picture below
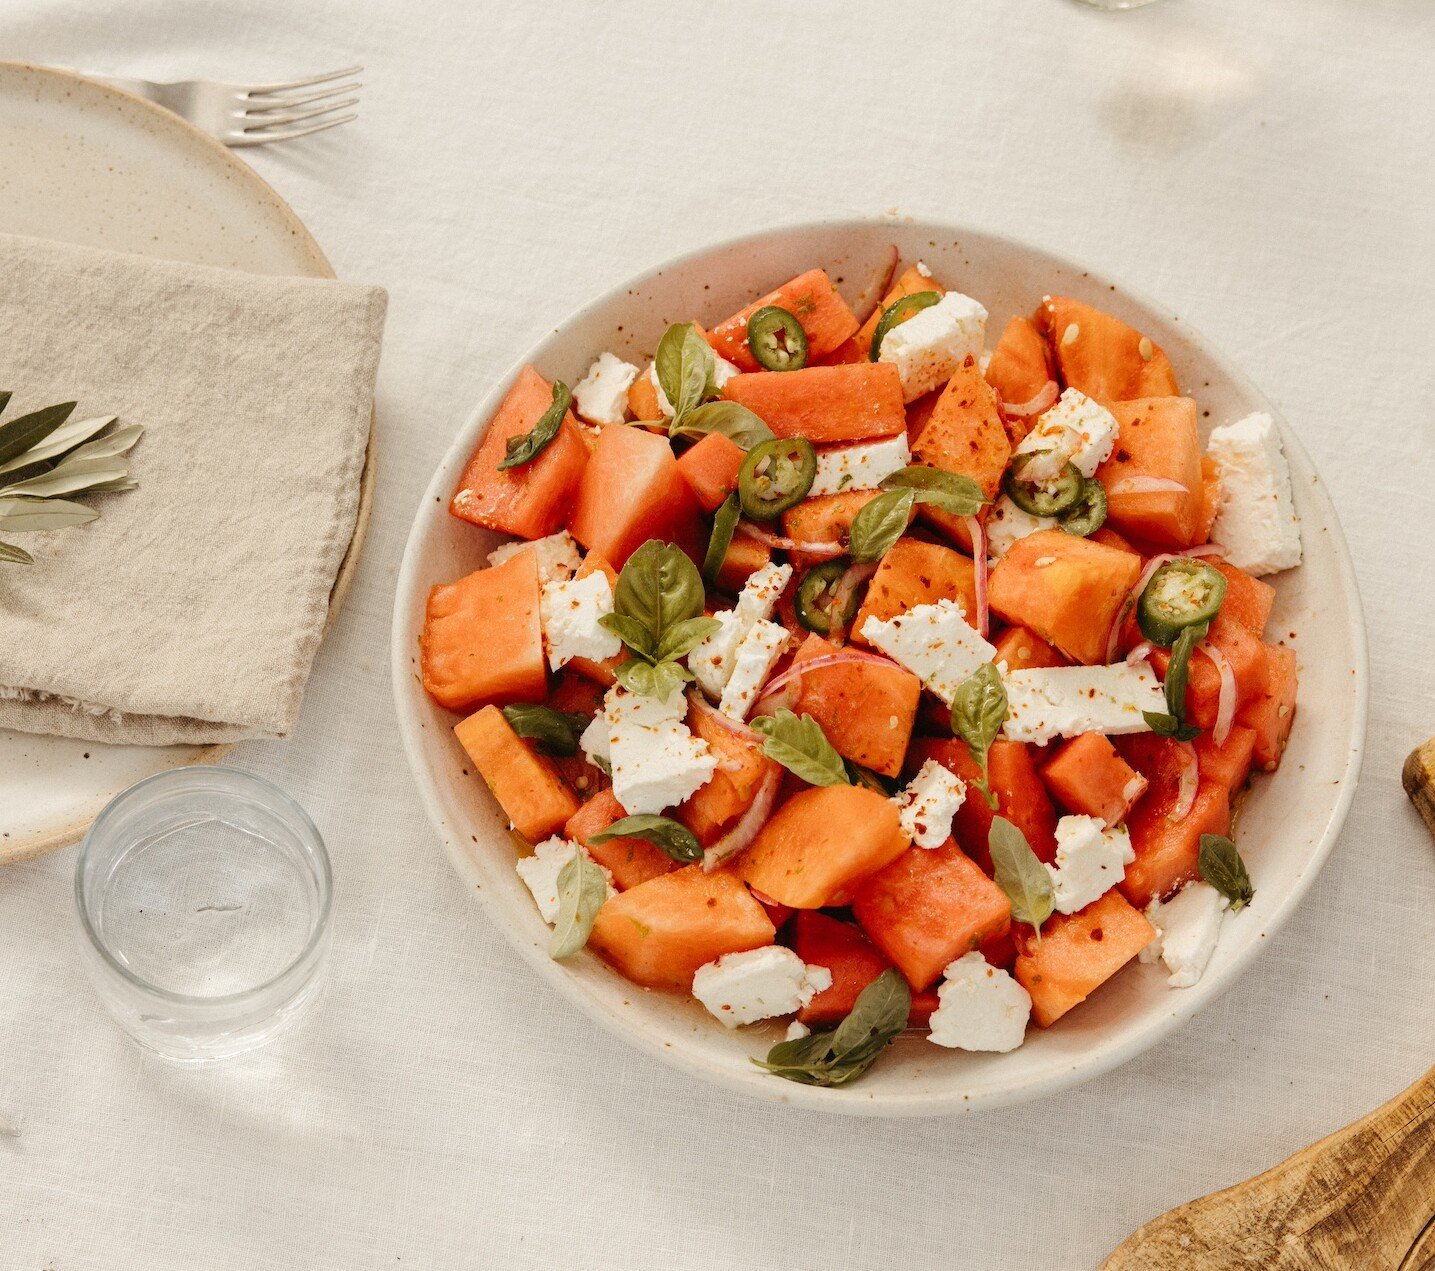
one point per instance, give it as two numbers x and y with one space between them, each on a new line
1050 499
777 339
776 476
1088 514
899 311
816 594
1183 593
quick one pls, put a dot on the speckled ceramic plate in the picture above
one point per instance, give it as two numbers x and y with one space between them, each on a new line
1289 822
84 163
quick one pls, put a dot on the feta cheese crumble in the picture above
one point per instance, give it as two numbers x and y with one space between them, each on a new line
764 643
1007 523
741 988
712 660
601 396
1065 701
859 467
1077 431
723 370
981 1007
1090 861
571 610
934 642
929 346
928 803
656 760
558 555
540 872
593 741
1187 928
796 1031
1256 521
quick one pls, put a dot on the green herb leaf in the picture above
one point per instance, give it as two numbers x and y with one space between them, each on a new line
860 776
1178 670
11 554
949 491
880 523
526 448
673 837
27 516
582 890
632 633
1164 725
978 712
1221 865
659 587
1026 881
724 524
680 638
685 366
801 747
653 679
839 1056
736 423
556 732
27 431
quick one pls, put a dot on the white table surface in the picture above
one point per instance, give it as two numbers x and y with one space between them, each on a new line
1265 168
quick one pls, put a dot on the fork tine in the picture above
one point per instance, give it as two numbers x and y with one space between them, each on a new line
256 124
290 85
258 105
261 138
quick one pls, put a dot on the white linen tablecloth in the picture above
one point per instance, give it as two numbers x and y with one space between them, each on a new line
1265 168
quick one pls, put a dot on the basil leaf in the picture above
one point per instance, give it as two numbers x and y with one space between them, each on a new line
555 731
880 523
1178 671
659 587
582 890
673 837
653 679
724 523
1164 725
949 491
1221 865
685 366
979 710
13 555
801 747
29 430
632 633
880 1009
736 423
1026 881
530 445
841 1055
679 639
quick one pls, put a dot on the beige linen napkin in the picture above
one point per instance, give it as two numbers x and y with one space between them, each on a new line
192 609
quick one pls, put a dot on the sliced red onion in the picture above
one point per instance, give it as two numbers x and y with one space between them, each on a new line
1226 707
748 824
763 898
880 285
1113 637
979 560
1044 400
855 576
1140 653
1190 781
1148 485
816 548
1206 549
707 710
798 669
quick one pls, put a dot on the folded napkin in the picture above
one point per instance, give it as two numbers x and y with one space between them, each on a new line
190 611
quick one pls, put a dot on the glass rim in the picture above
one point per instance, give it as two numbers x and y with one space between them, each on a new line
307 828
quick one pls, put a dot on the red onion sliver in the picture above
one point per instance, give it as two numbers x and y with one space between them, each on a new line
1140 653
750 530
798 669
748 825
703 707
1206 549
855 576
1113 637
979 560
1044 400
1226 708
1190 781
1148 485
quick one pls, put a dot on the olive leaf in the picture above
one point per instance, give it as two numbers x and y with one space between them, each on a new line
673 837
557 732
582 890
28 516
1178 670
685 367
724 524
70 476
948 491
1221 865
526 447
837 1056
801 747
15 555
735 422
22 434
979 710
64 439
880 523
1016 870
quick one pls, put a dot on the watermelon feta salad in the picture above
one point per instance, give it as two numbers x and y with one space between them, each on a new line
844 672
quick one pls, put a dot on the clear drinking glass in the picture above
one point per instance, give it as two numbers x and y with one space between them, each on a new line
204 897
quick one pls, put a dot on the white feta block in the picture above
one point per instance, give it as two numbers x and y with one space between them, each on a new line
928 803
741 988
981 1007
1065 701
723 370
859 467
1076 430
764 643
558 555
593 741
656 760
1007 524
1090 861
712 660
540 872
572 610
1187 928
934 642
1256 521
928 347
601 396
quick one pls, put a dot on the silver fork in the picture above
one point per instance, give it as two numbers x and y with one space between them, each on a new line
254 114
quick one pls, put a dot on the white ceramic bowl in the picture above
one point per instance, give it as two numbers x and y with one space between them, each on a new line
1288 823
